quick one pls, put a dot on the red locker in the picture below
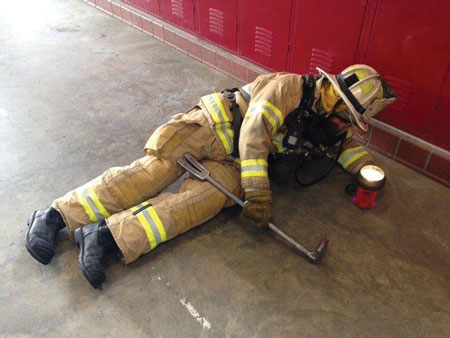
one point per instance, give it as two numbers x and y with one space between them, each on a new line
442 128
265 33
151 6
179 12
410 45
218 21
327 35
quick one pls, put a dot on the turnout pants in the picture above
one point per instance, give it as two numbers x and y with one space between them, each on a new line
130 200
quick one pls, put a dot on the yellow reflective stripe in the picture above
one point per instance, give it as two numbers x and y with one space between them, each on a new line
158 223
87 208
147 229
354 158
277 140
237 160
348 151
91 204
219 103
272 114
222 121
245 163
151 223
261 173
349 133
97 203
275 110
254 168
278 145
270 119
223 138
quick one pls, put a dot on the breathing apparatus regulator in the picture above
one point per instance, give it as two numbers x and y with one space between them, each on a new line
313 134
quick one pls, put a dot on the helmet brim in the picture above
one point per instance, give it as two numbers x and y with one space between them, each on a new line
359 120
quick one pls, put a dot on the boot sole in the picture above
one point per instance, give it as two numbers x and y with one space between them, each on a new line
95 277
42 251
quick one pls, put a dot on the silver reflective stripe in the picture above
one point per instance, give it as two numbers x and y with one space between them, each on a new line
253 168
277 140
153 226
246 91
223 122
213 103
259 107
278 137
357 150
92 205
274 115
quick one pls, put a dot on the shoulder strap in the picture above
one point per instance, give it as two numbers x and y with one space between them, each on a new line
294 119
309 87
230 95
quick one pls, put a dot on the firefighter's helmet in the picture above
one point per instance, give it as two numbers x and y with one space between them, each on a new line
363 90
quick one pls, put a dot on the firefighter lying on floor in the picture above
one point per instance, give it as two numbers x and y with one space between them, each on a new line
232 134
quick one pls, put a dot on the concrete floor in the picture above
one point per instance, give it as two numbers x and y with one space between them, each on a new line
81 92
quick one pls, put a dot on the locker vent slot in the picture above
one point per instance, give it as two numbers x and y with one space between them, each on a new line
177 8
263 41
216 24
403 90
321 59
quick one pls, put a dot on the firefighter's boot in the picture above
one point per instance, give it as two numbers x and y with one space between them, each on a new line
43 227
94 241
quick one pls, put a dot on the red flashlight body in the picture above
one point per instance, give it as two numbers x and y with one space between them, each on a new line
367 191
365 199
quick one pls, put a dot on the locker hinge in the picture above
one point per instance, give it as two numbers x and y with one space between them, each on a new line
288 47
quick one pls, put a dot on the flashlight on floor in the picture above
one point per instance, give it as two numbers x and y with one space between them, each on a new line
371 180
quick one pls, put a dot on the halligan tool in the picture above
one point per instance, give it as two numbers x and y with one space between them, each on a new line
190 163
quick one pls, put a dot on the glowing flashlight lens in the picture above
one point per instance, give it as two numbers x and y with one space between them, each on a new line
372 173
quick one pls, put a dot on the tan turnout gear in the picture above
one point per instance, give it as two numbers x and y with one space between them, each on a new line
129 198
257 206
141 228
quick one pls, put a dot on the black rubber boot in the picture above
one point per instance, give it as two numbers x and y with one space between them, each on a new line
43 226
94 241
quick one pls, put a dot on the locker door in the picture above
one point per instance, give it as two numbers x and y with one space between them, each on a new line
265 32
218 22
179 12
327 35
151 6
410 45
442 135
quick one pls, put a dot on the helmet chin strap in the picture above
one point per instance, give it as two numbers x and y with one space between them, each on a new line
356 128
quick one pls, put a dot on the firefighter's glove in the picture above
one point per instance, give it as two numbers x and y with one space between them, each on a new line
257 207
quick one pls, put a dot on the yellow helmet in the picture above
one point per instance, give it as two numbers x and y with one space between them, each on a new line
363 90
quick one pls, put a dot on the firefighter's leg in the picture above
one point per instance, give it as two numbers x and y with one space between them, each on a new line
141 228
115 190
120 188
